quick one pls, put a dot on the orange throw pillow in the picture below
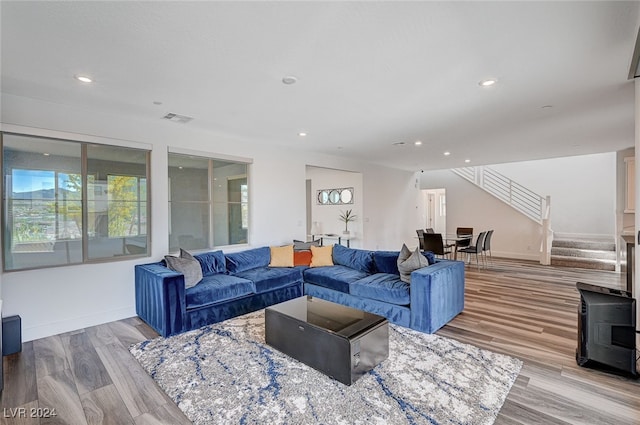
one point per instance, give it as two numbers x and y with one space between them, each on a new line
302 258
321 256
281 256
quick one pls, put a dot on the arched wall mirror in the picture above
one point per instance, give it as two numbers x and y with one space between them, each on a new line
335 196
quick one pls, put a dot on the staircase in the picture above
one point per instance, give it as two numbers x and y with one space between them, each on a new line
523 200
583 253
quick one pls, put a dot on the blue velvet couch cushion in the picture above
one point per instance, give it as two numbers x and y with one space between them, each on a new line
431 257
238 262
382 287
212 262
387 261
267 279
358 259
216 288
334 277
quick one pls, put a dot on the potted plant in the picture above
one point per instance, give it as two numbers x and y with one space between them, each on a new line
347 216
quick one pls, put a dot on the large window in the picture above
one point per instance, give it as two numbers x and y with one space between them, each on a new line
68 202
208 202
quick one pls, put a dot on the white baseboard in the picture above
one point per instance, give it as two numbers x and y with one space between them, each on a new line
29 333
535 256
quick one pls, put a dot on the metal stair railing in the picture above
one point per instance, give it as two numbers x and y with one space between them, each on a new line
512 193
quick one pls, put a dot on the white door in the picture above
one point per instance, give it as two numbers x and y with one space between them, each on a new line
436 207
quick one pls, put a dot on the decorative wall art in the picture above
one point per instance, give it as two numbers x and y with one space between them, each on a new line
342 196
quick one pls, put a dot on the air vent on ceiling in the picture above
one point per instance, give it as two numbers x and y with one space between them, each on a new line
180 119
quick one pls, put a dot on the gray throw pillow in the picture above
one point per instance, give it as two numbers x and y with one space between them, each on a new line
304 246
187 265
415 261
404 254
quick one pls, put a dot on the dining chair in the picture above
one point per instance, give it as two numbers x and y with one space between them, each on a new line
420 232
433 242
429 230
463 243
487 246
476 249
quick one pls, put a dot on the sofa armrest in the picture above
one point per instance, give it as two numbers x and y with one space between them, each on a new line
437 295
160 298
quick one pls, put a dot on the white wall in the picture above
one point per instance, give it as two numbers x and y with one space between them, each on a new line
582 190
626 220
392 208
61 299
327 216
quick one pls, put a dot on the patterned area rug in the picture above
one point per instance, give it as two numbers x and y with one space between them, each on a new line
226 374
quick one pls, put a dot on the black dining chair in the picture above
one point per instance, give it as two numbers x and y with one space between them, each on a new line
420 232
433 242
486 247
463 231
429 230
475 249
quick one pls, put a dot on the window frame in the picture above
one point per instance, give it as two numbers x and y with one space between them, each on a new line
84 200
211 202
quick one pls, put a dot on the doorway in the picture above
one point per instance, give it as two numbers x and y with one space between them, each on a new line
435 204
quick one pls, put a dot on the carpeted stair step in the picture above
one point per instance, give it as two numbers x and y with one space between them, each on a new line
583 263
583 253
595 245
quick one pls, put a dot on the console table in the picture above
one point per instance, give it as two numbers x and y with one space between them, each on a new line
332 236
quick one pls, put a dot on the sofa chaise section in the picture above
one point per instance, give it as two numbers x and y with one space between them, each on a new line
434 296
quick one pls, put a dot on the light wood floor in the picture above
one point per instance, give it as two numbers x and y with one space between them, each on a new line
517 308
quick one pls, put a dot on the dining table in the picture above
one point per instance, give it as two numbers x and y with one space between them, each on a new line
453 239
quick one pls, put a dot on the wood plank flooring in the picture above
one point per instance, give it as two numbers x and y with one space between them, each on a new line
514 307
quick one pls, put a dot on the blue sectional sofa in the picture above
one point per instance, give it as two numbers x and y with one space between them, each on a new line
237 283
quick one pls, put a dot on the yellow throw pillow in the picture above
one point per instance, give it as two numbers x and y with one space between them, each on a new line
281 256
321 256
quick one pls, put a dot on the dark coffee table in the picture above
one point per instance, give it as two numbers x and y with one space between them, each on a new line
341 342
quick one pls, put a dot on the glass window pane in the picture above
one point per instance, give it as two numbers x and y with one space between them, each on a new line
117 201
189 226
198 185
188 178
221 224
43 198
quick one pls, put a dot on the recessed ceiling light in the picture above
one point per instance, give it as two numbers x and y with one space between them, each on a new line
302 134
289 79
83 78
45 154
447 153
488 82
418 143
467 161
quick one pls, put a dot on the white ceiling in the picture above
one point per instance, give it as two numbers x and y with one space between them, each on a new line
370 74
